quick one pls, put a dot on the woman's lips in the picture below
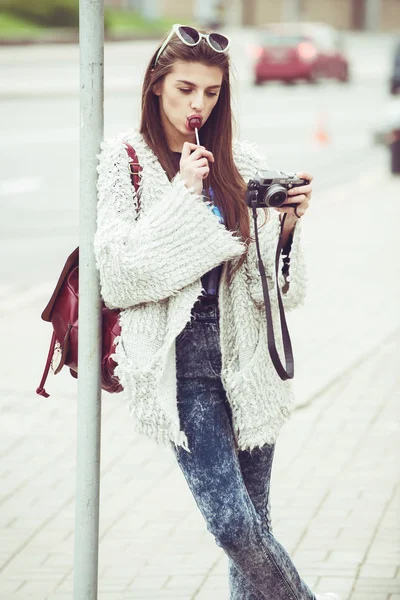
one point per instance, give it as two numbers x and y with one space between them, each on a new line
193 123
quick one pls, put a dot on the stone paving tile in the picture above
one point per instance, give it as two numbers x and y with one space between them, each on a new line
339 584
373 570
212 594
370 595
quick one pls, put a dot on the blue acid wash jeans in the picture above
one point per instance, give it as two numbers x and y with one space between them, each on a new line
230 487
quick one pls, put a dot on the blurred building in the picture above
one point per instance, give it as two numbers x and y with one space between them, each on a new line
372 15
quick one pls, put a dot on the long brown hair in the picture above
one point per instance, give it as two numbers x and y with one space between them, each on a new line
216 134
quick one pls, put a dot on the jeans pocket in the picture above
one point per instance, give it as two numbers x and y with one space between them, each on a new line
213 347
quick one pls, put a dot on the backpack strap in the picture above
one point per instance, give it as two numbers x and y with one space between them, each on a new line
134 166
135 169
40 390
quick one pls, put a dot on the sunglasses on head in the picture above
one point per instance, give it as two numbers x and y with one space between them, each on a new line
192 37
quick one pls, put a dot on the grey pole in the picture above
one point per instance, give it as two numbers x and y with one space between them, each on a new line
291 10
233 11
372 15
150 9
91 40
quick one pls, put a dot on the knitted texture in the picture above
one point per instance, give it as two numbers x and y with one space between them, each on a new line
150 266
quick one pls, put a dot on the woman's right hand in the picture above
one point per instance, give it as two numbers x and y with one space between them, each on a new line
194 165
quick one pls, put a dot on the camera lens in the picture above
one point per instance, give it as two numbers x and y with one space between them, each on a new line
275 196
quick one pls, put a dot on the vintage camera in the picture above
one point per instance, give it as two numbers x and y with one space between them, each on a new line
269 189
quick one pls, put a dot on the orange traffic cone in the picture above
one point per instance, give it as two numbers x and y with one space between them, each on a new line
321 136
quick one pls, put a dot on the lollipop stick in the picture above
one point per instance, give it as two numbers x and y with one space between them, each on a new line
197 136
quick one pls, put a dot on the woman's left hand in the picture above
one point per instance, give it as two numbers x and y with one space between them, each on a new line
300 195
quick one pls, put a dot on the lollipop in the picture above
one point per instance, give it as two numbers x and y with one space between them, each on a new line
194 124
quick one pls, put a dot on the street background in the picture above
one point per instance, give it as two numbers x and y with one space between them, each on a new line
335 494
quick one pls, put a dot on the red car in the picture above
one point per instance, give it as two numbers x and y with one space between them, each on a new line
293 51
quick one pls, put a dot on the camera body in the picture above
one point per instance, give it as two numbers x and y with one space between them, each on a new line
269 189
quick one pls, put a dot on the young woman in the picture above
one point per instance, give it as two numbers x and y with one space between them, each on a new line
179 259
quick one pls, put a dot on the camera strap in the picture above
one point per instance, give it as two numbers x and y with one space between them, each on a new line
287 371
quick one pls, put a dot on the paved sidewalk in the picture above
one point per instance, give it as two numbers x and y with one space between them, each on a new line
335 498
335 488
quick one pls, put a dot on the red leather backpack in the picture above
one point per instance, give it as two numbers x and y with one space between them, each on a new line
62 312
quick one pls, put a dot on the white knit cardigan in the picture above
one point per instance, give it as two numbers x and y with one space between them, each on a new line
150 267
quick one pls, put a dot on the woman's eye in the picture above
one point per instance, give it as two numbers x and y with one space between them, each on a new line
188 91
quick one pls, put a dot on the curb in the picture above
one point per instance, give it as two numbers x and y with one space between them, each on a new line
346 371
66 91
68 37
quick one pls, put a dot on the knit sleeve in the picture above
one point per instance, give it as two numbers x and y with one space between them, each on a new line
153 256
293 284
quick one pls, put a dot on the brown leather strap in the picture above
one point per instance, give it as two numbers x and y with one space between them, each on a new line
40 390
64 350
287 371
134 166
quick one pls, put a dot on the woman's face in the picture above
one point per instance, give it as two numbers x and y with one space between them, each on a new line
190 89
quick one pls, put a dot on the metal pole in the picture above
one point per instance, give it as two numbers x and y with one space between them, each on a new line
291 10
372 15
233 12
91 39
204 11
150 9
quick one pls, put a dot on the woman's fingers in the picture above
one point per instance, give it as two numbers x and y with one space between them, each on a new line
291 211
300 196
302 189
201 152
304 175
195 165
202 172
192 146
301 205
186 149
296 199
193 152
202 162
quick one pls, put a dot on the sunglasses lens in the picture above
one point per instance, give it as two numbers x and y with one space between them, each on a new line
219 42
189 35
